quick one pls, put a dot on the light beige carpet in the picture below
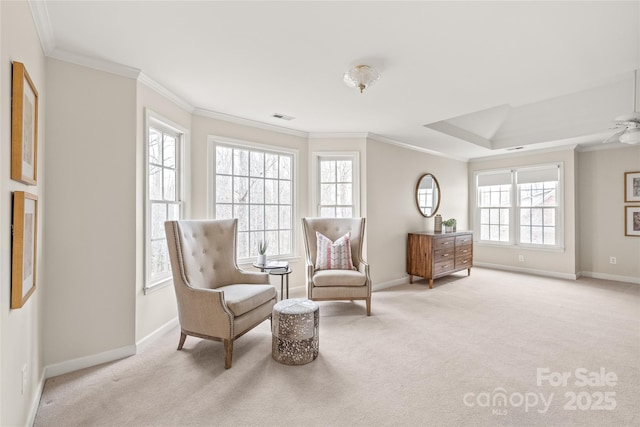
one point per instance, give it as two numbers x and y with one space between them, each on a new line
465 353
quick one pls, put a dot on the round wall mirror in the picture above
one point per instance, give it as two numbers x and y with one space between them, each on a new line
428 195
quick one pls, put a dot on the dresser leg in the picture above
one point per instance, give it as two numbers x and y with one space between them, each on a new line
468 272
410 279
430 283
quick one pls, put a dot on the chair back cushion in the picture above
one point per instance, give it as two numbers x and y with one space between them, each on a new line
206 251
333 255
333 229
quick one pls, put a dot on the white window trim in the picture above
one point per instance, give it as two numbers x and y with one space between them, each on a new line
212 141
184 184
514 229
315 177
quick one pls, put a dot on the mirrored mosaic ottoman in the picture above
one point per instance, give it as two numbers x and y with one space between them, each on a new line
295 326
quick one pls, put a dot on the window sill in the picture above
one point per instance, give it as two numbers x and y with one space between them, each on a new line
537 248
157 285
250 261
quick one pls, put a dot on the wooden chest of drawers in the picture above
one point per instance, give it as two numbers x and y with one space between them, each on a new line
432 255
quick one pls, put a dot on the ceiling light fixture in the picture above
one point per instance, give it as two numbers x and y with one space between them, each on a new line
631 136
361 77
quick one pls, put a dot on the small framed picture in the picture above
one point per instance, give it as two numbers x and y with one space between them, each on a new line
23 264
24 127
632 186
632 221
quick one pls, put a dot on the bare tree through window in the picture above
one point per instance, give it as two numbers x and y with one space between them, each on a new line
256 186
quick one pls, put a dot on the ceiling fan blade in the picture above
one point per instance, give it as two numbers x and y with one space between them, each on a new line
614 137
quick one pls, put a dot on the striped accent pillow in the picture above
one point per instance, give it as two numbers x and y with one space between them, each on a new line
333 255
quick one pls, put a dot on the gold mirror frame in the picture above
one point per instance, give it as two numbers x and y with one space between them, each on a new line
435 197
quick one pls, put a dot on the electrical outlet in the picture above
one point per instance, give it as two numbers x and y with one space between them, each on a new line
521 258
612 260
24 379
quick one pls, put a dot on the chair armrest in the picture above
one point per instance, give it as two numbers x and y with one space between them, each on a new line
204 311
363 267
251 277
309 270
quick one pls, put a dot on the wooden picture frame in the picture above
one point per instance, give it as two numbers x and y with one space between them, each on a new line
631 187
24 127
632 221
25 232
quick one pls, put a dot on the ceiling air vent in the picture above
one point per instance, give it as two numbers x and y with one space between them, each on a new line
282 117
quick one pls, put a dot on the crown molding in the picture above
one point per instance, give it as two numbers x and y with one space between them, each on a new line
148 81
336 135
40 14
408 146
95 63
248 122
532 152
601 146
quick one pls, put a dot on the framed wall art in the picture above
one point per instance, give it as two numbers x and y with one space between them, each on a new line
24 127
632 221
25 231
632 186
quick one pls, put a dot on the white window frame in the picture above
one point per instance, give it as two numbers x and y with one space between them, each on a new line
213 142
153 119
497 177
514 209
316 157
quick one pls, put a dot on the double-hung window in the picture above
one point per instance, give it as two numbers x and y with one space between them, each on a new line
538 206
494 205
256 186
520 206
165 144
337 190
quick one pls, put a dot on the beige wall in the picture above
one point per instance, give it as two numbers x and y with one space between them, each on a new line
91 212
562 264
392 174
601 212
20 329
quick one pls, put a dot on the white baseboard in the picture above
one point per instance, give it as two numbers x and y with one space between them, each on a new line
547 273
88 361
35 403
155 335
613 277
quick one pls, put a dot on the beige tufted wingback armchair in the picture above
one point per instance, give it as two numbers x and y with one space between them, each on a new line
216 299
326 285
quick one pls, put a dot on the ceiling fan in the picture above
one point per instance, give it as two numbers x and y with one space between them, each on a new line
628 123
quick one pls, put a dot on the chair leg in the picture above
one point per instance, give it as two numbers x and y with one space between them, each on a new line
183 337
369 306
228 352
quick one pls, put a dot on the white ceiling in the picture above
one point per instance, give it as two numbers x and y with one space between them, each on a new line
484 76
